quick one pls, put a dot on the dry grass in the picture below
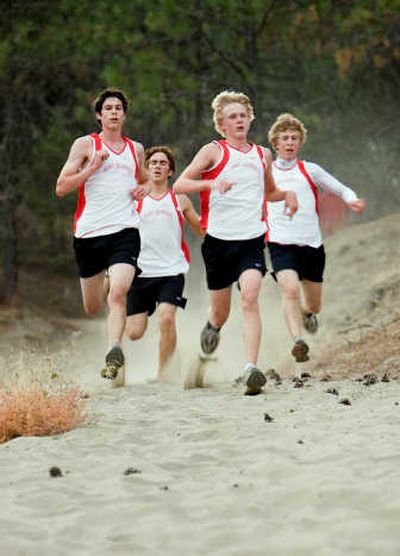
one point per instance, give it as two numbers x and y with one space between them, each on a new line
34 411
35 399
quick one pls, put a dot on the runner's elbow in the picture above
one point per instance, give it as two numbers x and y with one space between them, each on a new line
60 188
177 187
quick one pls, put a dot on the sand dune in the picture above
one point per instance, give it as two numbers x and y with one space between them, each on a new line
159 470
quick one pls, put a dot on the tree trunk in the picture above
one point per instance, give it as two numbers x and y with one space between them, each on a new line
8 239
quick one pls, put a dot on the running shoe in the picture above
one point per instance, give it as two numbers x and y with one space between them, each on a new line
209 339
310 322
253 379
114 361
300 351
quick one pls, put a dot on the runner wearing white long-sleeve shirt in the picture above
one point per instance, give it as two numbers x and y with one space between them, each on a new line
295 244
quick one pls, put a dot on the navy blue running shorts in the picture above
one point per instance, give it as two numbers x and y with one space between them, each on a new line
146 293
308 262
226 260
95 254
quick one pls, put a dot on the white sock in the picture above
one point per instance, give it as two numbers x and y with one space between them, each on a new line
248 367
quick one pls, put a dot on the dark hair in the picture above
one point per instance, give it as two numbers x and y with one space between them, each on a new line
108 93
160 149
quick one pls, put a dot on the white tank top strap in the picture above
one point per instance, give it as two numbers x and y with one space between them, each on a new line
222 149
131 145
261 154
96 144
215 170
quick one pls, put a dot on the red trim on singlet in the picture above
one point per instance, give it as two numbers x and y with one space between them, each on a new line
181 220
251 145
314 188
214 172
113 150
81 203
261 155
131 145
97 141
204 208
139 206
158 197
211 175
264 217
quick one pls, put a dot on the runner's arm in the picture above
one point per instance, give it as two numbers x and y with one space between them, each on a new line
190 214
326 181
143 187
357 206
205 159
77 169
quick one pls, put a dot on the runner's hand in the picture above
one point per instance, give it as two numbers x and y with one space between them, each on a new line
291 204
99 158
221 185
357 205
140 192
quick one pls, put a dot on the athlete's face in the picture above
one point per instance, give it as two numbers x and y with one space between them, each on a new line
288 144
159 169
235 121
112 114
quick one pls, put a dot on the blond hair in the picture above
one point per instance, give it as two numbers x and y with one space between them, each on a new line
228 97
286 122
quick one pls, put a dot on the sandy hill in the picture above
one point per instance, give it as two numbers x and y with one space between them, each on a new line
362 300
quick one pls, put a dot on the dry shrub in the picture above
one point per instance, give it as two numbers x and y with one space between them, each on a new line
36 399
35 411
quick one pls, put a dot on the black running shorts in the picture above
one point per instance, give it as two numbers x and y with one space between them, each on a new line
308 262
226 260
146 293
95 254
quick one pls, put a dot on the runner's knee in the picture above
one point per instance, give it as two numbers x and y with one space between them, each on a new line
135 333
249 299
117 296
166 322
291 292
92 306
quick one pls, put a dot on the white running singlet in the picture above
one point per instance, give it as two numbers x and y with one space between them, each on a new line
163 251
303 178
105 205
238 213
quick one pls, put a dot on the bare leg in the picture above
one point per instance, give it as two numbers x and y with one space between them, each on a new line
250 285
92 293
220 306
219 313
121 276
312 296
290 286
136 326
167 344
